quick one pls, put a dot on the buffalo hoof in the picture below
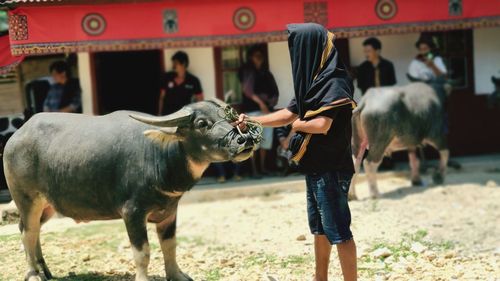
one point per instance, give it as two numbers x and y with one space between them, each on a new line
46 271
437 178
179 276
35 276
417 183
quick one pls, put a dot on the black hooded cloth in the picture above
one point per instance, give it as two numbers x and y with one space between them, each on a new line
321 84
320 78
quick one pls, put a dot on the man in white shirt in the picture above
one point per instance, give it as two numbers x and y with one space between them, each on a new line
427 65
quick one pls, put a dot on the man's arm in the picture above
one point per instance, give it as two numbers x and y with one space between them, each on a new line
392 75
248 84
318 125
437 66
76 102
278 118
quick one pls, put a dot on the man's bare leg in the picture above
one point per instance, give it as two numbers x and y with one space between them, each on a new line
322 250
348 260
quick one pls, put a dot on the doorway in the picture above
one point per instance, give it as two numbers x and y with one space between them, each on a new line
128 80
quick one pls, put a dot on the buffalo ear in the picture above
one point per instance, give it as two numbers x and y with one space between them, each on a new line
163 135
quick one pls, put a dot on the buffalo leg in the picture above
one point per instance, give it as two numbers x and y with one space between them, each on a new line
438 177
135 221
371 174
357 169
414 167
166 235
31 211
439 143
47 213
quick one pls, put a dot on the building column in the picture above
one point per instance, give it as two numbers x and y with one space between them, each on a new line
86 82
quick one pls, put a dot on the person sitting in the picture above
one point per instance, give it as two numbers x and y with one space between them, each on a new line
428 66
65 93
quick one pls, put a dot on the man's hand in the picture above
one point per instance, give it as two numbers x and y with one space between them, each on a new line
429 63
241 122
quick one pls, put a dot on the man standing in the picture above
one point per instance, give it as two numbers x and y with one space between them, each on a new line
178 86
65 93
321 147
375 71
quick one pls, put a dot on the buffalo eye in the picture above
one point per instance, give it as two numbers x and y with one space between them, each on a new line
202 123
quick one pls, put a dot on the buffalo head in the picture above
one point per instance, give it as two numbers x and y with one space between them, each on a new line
205 131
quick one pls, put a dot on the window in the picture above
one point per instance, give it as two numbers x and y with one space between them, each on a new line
4 23
228 61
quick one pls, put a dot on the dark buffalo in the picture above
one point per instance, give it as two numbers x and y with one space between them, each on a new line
113 166
397 118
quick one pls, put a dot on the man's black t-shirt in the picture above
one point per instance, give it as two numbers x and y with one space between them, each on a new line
330 152
178 96
367 75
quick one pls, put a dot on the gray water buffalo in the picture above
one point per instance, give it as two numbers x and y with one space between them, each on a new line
114 166
388 119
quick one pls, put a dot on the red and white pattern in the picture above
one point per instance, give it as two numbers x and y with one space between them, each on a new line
316 12
18 27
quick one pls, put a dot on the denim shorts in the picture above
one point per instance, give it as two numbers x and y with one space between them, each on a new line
327 205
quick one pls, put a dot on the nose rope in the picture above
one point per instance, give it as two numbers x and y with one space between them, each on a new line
254 128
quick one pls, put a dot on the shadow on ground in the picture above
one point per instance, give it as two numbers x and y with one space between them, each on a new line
103 277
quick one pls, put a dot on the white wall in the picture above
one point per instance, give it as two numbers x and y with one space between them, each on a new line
399 49
281 68
201 64
486 58
84 74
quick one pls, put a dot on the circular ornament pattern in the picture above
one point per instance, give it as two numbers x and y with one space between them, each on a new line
93 24
386 9
244 18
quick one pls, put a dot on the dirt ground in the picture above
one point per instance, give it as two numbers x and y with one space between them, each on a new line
447 232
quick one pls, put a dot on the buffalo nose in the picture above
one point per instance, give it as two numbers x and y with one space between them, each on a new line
241 140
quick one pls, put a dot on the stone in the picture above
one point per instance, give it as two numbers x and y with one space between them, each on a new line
491 183
450 254
381 253
418 248
430 255
301 237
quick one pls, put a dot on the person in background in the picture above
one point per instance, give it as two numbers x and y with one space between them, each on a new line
260 95
427 65
375 71
323 93
64 94
179 87
284 134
